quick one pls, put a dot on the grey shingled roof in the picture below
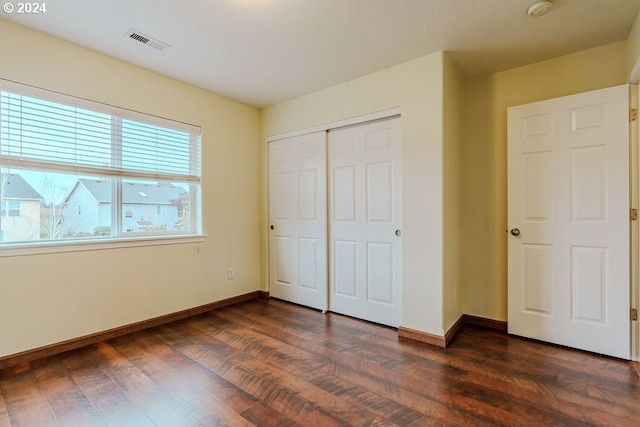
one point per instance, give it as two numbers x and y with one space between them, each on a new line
133 193
15 187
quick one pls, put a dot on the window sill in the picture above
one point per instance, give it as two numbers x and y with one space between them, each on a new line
94 245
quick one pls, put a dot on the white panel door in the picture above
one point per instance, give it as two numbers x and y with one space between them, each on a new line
365 202
568 216
298 220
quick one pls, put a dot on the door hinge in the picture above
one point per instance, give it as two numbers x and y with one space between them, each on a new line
633 214
634 314
633 114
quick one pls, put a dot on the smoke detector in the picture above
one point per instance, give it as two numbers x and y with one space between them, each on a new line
540 8
145 39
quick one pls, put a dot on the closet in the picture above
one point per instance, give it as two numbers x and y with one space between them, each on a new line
335 212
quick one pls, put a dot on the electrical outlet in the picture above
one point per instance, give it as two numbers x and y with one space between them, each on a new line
230 273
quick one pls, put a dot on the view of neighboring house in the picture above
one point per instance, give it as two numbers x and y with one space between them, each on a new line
146 207
19 209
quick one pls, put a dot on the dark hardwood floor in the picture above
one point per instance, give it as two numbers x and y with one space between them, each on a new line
270 363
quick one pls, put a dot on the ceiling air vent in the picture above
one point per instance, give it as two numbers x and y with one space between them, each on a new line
145 39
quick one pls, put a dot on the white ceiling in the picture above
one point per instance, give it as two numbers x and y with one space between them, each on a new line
262 52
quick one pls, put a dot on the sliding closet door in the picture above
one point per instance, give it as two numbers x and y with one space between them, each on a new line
298 220
365 203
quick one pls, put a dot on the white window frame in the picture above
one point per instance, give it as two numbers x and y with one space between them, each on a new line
119 238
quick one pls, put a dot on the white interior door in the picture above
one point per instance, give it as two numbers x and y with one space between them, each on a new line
298 220
568 244
365 203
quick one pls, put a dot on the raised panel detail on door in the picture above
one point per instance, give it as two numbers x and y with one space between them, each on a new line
365 202
283 267
589 279
309 150
342 146
568 196
344 266
344 193
379 192
537 261
282 183
537 191
588 118
588 183
378 139
380 272
534 127
308 194
298 220
308 250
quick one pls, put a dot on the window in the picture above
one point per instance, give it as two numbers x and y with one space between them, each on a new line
81 169
10 209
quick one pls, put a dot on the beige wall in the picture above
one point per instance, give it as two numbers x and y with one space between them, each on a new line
633 49
452 194
417 88
484 159
50 298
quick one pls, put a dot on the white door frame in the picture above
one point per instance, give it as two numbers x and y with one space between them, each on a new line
634 138
634 187
384 114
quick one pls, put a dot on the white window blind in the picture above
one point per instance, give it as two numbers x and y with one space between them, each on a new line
68 137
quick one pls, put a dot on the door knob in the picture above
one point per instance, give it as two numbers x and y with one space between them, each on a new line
398 233
515 232
272 227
